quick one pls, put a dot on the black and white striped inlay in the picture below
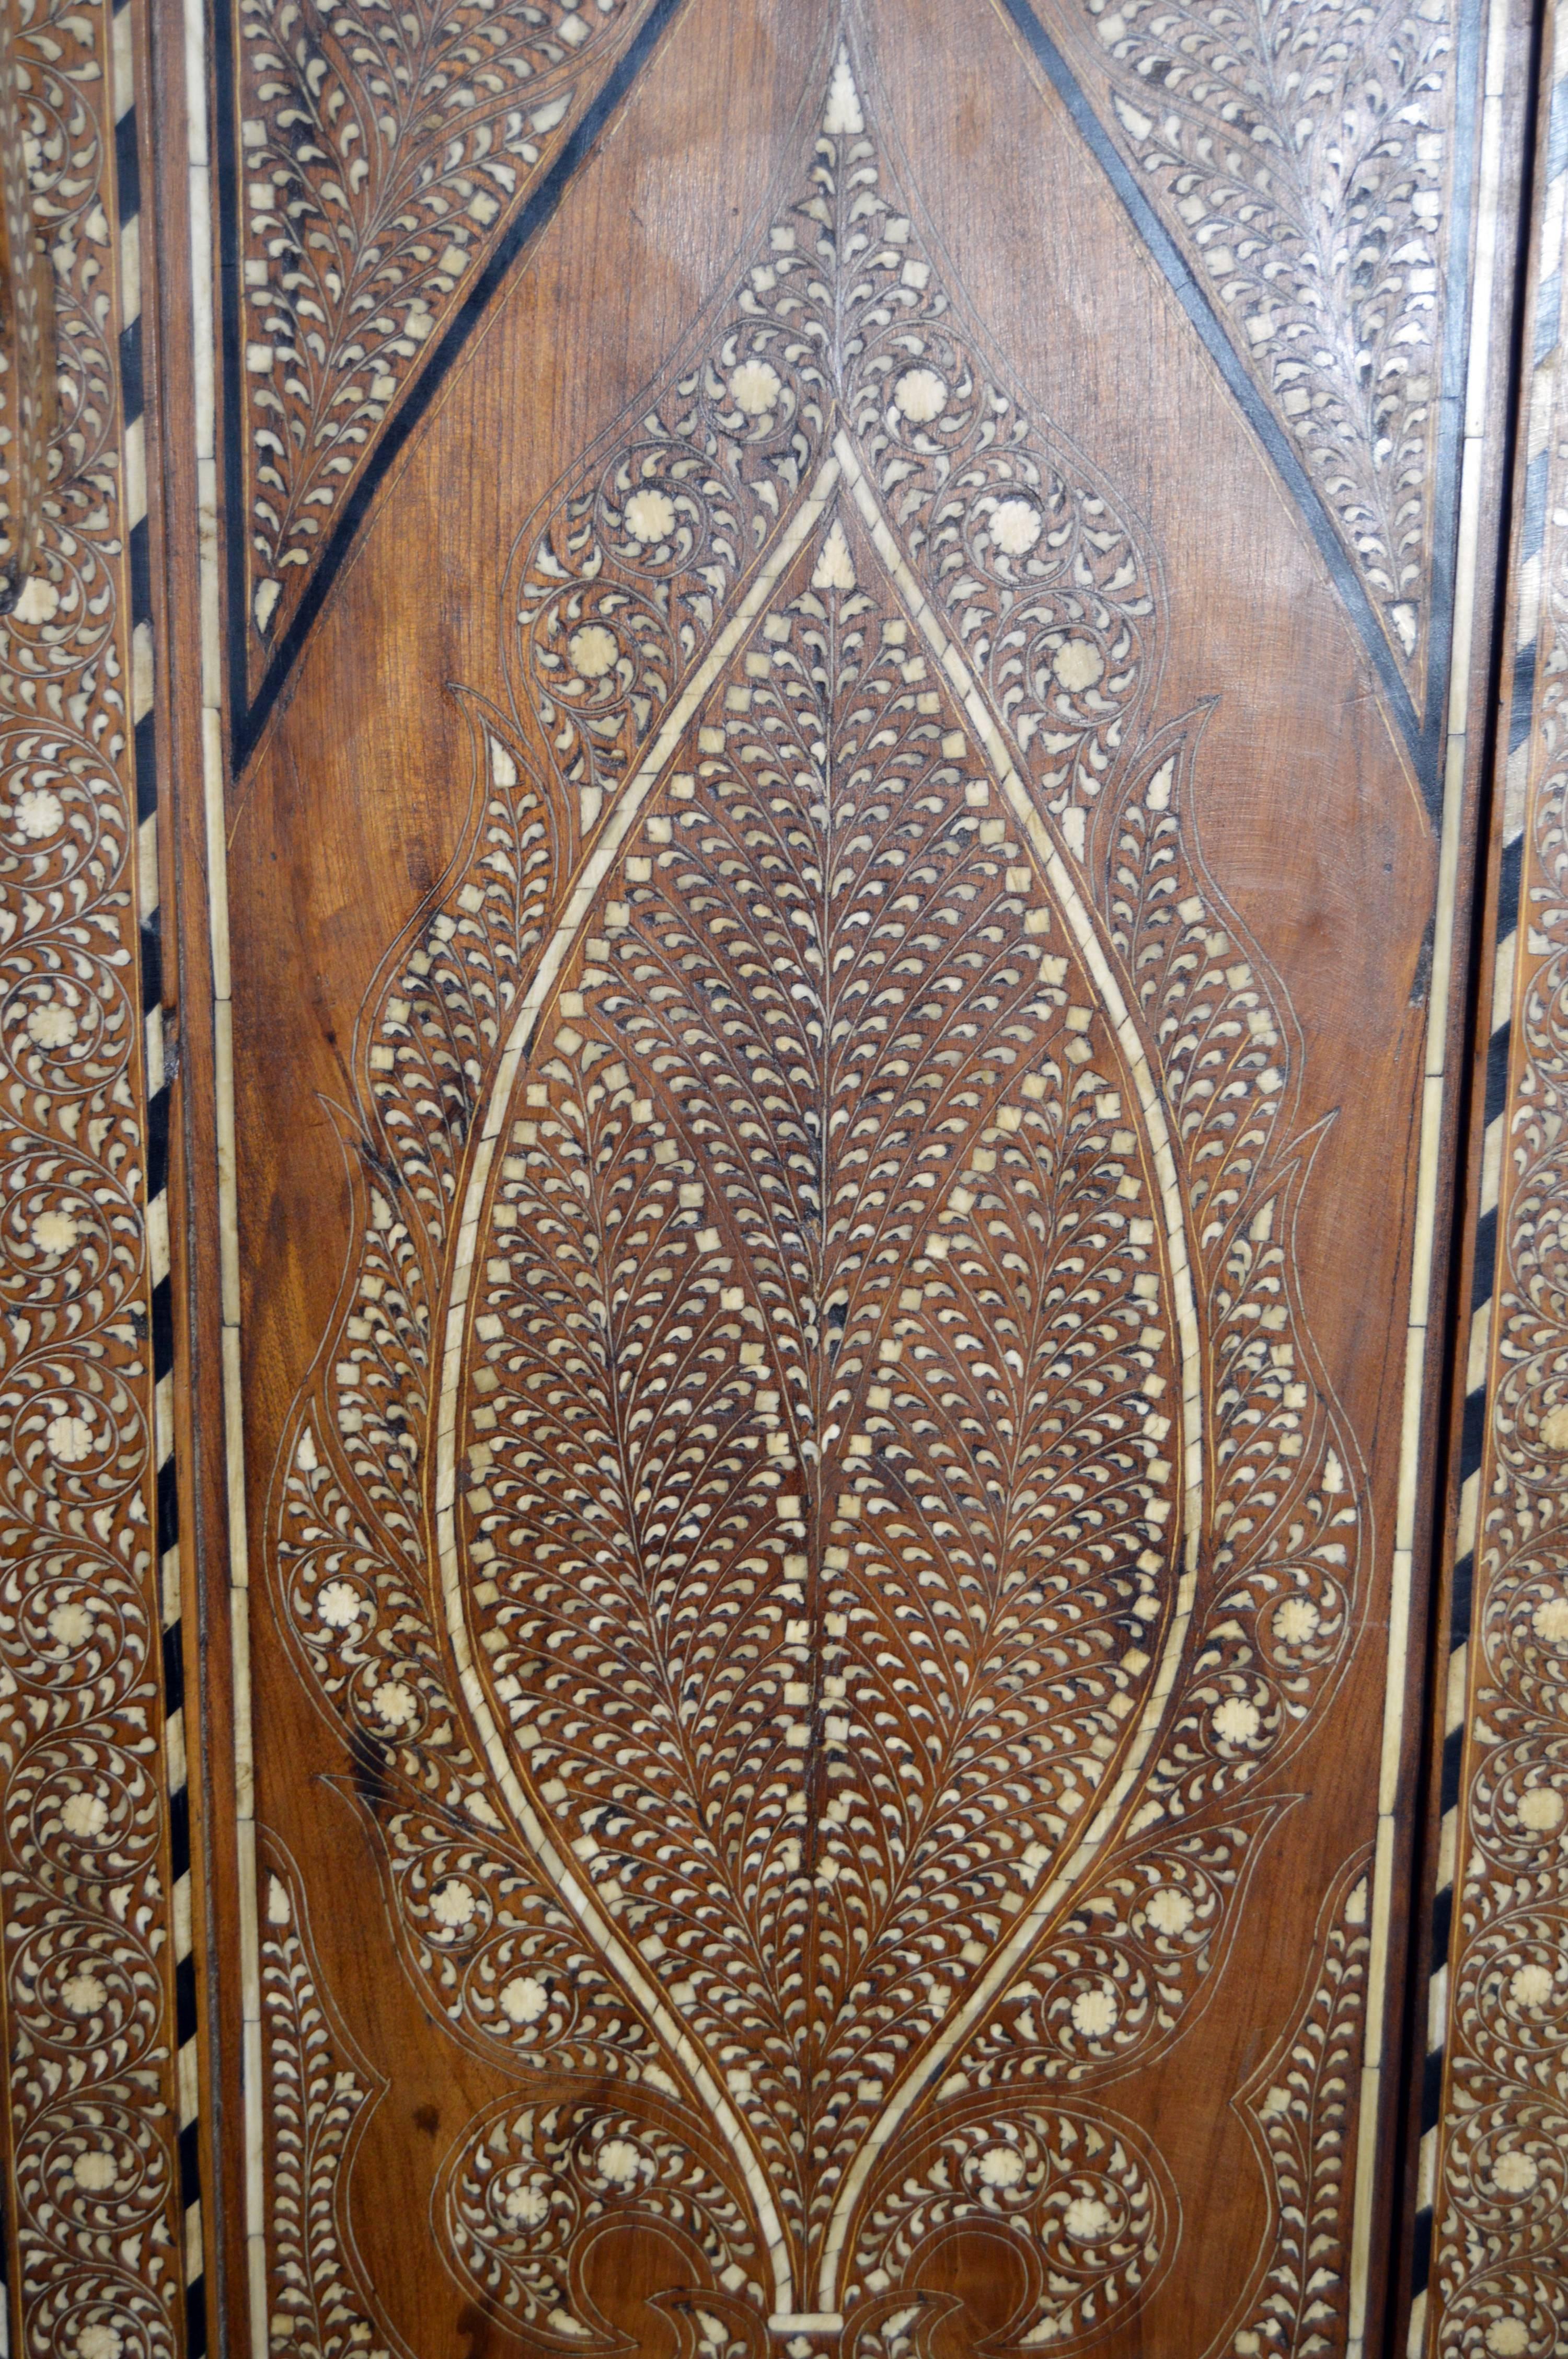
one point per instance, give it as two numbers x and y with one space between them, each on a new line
1544 362
159 1076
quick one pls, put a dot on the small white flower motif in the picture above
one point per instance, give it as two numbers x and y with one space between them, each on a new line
525 1998
921 394
40 600
1295 1621
99 2341
1168 1910
1540 1810
1016 527
54 1231
338 1604
526 2205
85 1815
619 2161
1550 1620
1506 2337
1077 664
83 1994
71 1624
755 389
69 1437
1085 2217
452 1904
1095 2011
592 650
1530 1985
94 2172
1001 2166
51 1025
1515 2174
1236 1721
650 516
394 1700
39 812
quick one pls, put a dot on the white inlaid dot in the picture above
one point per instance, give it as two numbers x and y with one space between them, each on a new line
84 1814
1296 1620
1077 664
1001 2166
99 2341
1540 1809
592 650
1095 2011
452 1903
94 2172
1236 1721
650 516
921 394
395 1703
1554 1426
83 1994
71 1624
51 1025
1515 2174
526 2205
525 1998
69 1437
54 1231
618 2161
1169 1911
1086 2215
1016 527
1550 1620
1508 2337
1530 1985
39 812
755 387
338 1604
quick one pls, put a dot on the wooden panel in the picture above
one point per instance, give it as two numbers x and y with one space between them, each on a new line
837 943
94 2196
1495 2209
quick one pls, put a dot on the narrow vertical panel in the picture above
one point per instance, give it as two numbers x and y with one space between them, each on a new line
88 1757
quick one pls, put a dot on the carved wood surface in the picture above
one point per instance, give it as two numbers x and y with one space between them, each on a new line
823 1323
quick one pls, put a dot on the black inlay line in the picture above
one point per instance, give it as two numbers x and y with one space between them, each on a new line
196 2319
168 1507
1521 708
157 1142
132 393
534 217
1487 1225
1452 1748
127 168
1422 742
1421 2267
1463 1593
1431 2089
1510 873
146 766
1441 1926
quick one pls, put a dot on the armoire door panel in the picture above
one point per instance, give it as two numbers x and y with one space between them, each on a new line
830 952
835 847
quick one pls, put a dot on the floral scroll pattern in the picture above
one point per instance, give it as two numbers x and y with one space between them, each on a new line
751 1509
1301 160
383 152
84 1811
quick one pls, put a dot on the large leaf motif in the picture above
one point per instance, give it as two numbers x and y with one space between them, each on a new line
818 1493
